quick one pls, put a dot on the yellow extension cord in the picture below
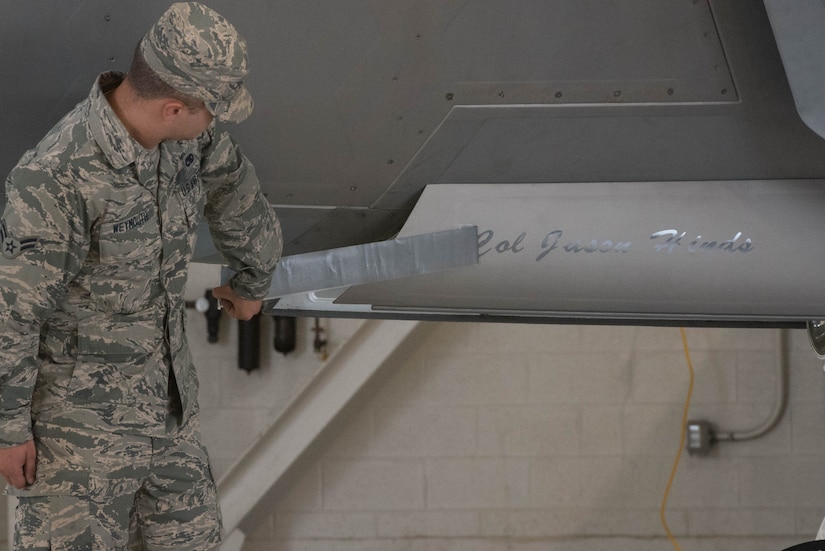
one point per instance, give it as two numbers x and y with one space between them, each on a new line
681 444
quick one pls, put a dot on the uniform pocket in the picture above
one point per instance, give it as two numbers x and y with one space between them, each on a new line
120 337
126 274
50 522
116 357
188 189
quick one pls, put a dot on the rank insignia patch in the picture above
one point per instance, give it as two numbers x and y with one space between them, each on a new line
11 247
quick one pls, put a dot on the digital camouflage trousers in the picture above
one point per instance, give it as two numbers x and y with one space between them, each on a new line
104 491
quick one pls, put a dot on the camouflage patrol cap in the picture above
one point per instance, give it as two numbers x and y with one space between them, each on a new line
199 53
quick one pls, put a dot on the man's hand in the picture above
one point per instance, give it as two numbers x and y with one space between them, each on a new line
17 464
236 306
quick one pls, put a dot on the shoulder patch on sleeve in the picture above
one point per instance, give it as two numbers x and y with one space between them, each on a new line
13 247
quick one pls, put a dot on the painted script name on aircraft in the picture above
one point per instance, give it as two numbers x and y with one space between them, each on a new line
668 240
664 241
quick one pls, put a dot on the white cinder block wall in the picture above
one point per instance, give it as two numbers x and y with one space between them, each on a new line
493 437
528 437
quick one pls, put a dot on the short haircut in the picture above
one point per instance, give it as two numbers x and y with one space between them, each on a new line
148 85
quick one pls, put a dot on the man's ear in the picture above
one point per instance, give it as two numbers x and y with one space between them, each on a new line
172 108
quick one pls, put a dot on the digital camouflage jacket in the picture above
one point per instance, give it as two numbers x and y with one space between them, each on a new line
96 240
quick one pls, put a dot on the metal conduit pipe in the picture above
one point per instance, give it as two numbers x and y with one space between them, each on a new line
780 404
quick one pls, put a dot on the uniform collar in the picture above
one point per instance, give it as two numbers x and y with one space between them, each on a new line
114 140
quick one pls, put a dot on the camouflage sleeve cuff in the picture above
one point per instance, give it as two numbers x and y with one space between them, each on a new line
251 286
15 428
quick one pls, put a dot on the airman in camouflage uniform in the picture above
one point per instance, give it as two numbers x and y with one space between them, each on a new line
99 432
